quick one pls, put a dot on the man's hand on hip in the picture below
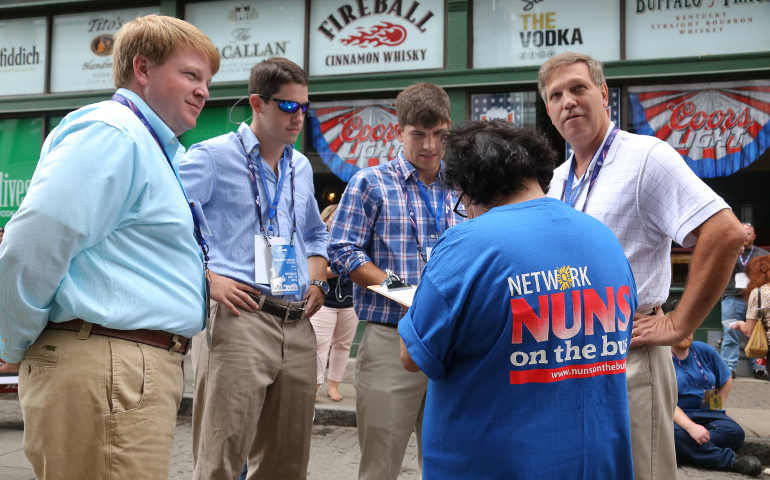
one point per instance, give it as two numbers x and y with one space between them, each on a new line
232 294
657 329
315 298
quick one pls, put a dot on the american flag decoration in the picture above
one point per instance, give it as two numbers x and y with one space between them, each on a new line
718 128
350 135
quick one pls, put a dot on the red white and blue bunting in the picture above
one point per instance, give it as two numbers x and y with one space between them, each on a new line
354 134
718 128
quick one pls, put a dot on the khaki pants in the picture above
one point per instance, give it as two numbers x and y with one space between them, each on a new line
98 407
652 396
389 404
254 397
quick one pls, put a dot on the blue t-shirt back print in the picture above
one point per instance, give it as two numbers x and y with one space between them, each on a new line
522 322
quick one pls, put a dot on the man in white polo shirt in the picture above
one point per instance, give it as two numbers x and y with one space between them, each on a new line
642 189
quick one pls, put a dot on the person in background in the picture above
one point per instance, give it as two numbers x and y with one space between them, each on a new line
757 295
522 385
255 381
704 435
734 306
642 189
390 217
102 274
334 324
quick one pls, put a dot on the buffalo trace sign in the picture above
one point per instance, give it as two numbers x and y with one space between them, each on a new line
351 135
359 36
718 128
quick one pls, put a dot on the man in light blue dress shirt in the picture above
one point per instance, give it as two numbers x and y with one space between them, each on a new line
256 365
101 278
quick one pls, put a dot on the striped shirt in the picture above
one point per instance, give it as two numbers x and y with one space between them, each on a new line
372 224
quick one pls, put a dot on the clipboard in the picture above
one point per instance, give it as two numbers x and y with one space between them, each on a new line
402 295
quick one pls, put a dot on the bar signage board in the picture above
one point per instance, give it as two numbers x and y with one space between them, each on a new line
359 36
681 28
519 33
81 57
245 33
22 56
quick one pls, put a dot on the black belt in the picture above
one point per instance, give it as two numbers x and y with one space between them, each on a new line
287 311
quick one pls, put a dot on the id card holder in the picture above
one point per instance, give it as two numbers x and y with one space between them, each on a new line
713 400
284 274
429 247
262 260
741 280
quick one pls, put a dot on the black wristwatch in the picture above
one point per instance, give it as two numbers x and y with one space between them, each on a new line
322 285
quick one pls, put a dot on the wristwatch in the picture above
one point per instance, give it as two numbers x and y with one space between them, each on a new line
321 284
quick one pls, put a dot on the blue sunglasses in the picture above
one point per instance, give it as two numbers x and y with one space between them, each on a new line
289 106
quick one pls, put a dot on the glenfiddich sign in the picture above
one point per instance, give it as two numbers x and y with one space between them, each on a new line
358 36
22 56
81 56
247 32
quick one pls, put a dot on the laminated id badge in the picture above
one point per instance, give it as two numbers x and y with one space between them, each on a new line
262 261
741 280
284 274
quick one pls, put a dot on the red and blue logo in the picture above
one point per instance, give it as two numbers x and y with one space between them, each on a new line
718 128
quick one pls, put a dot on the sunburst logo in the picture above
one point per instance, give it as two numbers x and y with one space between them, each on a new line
564 277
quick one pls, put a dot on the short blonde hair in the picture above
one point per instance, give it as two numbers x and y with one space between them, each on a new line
564 60
156 37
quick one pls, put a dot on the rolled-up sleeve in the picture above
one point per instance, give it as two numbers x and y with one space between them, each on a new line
77 196
427 330
353 224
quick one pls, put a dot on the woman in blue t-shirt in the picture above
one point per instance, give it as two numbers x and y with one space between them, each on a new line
521 322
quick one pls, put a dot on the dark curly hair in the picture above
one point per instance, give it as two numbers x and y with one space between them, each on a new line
489 159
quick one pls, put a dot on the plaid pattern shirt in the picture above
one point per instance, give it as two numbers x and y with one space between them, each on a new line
372 224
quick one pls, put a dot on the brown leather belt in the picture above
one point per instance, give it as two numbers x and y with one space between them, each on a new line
154 338
287 311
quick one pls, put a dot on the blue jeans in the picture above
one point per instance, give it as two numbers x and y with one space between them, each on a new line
733 309
726 437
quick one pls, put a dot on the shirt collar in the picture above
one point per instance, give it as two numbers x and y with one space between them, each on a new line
251 142
406 169
592 163
164 133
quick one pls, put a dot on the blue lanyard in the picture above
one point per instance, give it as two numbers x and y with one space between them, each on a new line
272 205
196 221
438 213
257 169
569 193
413 215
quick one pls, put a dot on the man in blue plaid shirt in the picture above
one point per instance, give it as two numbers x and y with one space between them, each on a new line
389 218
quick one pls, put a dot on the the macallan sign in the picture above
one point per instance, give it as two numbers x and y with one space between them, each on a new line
247 32
359 36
